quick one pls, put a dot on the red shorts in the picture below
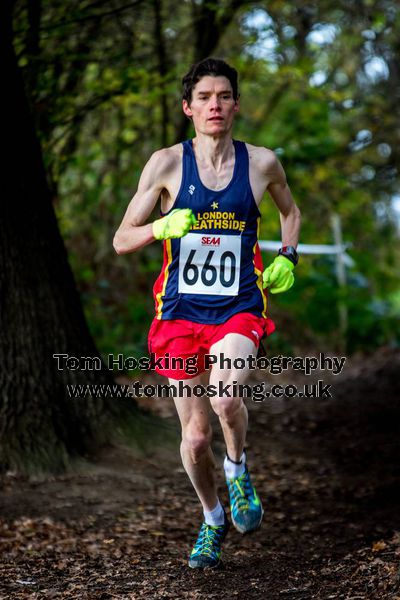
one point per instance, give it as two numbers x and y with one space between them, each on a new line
173 343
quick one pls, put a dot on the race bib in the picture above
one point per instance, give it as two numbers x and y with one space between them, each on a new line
209 264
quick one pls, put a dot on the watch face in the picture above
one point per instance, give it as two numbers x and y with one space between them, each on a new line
290 253
290 249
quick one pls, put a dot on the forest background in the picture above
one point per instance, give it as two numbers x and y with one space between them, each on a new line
319 84
92 89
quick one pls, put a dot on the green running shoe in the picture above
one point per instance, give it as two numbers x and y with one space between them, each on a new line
206 553
246 509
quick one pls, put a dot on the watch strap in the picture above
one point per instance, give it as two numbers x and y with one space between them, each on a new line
290 253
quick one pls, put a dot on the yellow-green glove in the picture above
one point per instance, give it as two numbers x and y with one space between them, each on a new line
174 225
278 277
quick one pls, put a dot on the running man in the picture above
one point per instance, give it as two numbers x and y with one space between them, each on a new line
210 297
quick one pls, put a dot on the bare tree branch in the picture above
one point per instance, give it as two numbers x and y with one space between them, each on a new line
82 19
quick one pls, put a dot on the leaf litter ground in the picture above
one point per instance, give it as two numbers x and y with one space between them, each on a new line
121 525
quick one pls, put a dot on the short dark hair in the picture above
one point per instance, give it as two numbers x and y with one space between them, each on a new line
209 66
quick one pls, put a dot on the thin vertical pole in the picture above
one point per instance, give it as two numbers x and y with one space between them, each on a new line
341 279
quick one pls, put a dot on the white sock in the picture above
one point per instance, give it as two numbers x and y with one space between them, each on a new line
233 469
215 517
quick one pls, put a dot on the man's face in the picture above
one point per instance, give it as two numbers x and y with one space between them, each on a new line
212 108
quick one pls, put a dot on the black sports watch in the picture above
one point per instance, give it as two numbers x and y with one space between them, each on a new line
290 253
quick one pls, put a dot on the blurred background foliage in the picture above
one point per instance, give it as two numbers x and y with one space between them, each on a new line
320 85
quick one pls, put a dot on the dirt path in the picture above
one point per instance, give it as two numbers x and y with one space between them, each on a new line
122 527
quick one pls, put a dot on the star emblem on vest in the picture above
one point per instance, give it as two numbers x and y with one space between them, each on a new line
214 205
191 189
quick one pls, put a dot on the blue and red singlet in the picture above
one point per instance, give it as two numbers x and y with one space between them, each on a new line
214 271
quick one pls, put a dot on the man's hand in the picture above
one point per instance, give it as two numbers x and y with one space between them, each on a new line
278 277
174 225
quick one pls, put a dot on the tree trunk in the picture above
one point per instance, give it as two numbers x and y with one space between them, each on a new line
162 69
209 22
40 312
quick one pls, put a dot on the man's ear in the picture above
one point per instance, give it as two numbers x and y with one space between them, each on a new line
237 104
186 108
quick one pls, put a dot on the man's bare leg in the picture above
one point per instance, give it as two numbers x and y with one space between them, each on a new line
197 456
232 412
199 463
246 508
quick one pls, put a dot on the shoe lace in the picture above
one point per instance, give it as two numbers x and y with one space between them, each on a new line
242 491
208 540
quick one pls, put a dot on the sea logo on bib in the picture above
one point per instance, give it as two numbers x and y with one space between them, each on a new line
207 240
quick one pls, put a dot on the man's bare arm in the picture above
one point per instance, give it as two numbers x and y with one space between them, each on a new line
133 234
279 191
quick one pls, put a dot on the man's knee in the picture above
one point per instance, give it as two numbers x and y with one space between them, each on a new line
197 440
227 408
